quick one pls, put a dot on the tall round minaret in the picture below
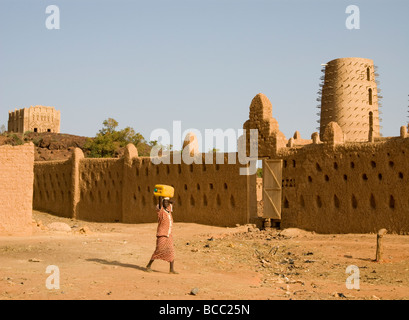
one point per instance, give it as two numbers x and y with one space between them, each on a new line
350 98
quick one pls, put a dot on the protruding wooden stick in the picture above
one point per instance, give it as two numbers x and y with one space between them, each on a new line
379 247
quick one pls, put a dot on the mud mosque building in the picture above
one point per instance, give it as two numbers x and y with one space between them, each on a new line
35 119
346 178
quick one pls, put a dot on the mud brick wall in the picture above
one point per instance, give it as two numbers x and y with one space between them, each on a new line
52 187
16 187
345 184
100 186
109 190
213 194
349 188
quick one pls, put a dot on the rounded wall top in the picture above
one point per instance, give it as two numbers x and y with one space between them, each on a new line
261 105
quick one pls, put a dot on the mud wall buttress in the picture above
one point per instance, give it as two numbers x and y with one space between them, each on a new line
16 185
77 156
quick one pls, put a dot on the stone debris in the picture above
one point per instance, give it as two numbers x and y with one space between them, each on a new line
39 224
194 291
59 226
85 230
288 281
287 261
338 295
293 232
309 261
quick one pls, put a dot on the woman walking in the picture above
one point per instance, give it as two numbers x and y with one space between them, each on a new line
164 240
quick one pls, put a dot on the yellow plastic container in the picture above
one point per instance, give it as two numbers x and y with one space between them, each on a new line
163 190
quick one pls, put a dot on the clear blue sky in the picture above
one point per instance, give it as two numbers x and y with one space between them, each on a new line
147 63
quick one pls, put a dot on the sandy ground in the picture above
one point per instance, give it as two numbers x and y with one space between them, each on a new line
222 263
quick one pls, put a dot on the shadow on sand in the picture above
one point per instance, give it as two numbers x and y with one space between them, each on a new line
362 259
120 264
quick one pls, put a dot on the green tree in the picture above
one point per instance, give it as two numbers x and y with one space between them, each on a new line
128 134
109 126
109 140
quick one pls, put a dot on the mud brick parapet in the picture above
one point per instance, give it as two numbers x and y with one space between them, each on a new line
347 188
109 190
16 189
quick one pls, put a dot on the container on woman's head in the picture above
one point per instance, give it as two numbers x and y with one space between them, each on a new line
162 190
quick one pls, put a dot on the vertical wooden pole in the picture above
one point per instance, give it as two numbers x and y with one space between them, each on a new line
379 244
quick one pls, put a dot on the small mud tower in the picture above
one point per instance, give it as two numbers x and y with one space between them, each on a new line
349 97
270 138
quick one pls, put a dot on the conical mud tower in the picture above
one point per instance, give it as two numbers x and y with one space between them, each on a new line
349 97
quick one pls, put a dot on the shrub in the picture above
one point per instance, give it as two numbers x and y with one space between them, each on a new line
109 140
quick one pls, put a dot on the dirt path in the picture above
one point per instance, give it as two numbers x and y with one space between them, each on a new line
223 263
